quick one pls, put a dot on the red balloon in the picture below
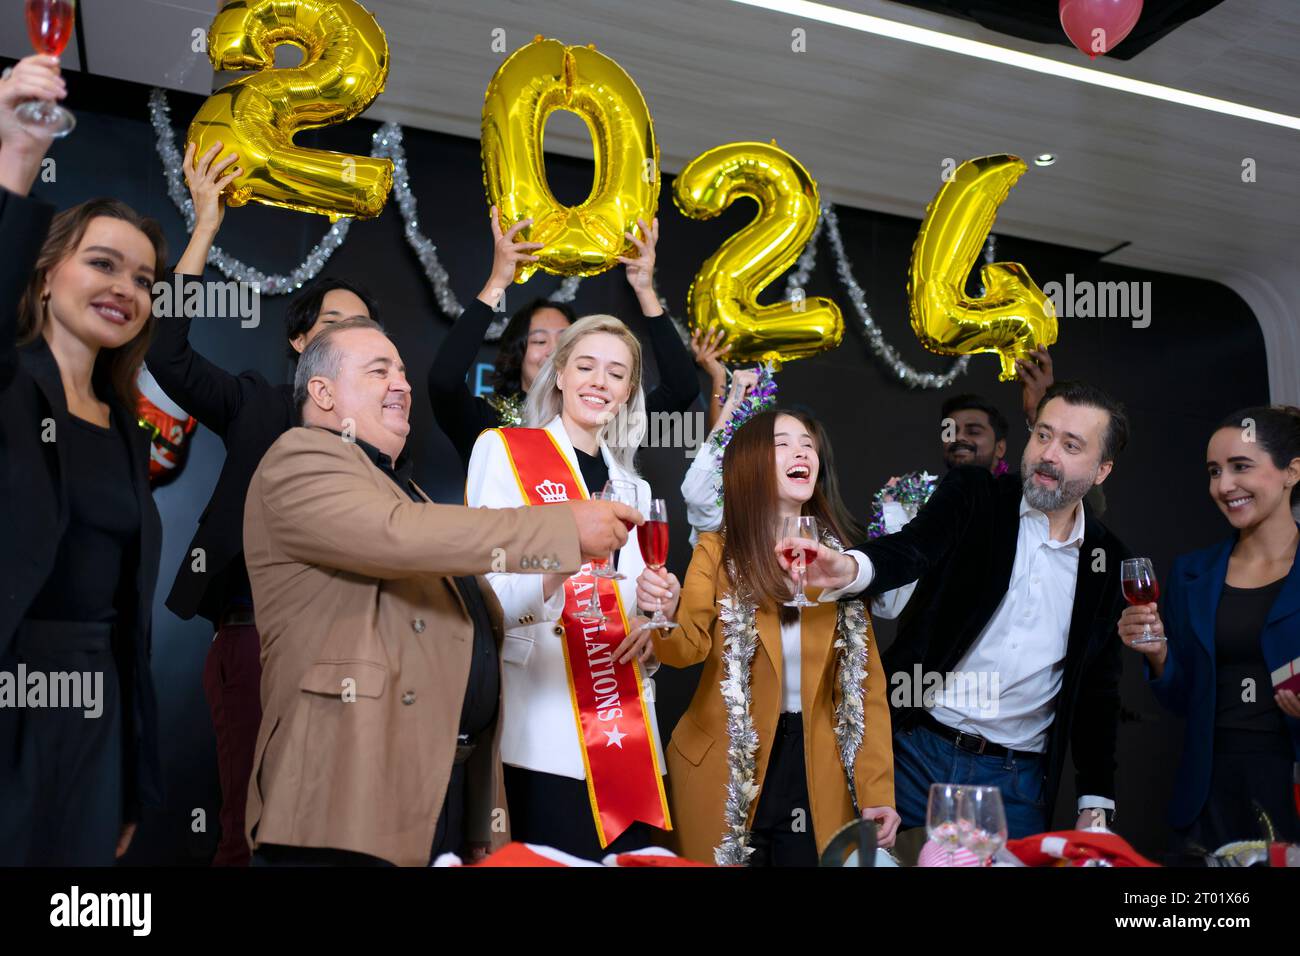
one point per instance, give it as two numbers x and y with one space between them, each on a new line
1098 26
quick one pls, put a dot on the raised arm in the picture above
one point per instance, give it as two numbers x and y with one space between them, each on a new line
678 385
459 414
23 221
207 391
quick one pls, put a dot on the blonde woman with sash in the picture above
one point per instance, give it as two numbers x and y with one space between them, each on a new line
580 743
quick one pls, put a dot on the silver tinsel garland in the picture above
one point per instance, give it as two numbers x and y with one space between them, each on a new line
885 352
740 641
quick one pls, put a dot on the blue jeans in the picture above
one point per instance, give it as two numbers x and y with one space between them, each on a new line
922 757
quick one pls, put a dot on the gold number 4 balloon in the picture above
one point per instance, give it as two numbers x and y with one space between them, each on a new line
725 290
535 81
345 64
1013 317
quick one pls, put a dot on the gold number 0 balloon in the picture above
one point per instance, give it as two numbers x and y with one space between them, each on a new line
727 285
533 82
1013 317
345 64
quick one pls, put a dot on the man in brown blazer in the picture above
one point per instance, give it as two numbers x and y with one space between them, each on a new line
380 649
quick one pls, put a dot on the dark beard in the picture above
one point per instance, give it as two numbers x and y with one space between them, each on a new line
1063 495
985 463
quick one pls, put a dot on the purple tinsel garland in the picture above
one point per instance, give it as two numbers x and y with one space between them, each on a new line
913 488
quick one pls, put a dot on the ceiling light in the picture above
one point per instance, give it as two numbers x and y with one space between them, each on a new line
1044 159
825 13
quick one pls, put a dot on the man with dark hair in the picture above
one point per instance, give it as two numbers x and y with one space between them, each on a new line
1008 658
248 414
380 741
974 432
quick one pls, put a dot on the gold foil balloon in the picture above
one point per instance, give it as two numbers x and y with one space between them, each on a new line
344 66
533 82
1013 317
726 288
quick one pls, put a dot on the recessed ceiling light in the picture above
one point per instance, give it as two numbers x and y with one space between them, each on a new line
825 13
1044 159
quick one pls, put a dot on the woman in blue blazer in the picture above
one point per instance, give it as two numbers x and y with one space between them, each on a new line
1231 613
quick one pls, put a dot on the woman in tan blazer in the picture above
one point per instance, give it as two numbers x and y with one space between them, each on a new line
799 684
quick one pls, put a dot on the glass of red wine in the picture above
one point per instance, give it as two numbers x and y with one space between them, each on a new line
49 24
616 489
1138 581
802 528
653 538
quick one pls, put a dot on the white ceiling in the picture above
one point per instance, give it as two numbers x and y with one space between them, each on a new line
873 118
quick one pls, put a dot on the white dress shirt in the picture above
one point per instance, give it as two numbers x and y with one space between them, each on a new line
1023 643
792 665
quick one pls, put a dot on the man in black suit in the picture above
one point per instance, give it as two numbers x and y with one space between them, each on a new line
1009 657
248 414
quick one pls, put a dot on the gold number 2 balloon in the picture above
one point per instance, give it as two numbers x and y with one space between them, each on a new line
1013 317
725 289
345 64
535 81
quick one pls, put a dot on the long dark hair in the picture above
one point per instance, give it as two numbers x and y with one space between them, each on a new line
1277 430
749 504
507 375
115 369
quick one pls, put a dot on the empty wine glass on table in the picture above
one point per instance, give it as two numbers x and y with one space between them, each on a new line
981 821
616 489
941 817
804 528
653 538
1138 582
49 25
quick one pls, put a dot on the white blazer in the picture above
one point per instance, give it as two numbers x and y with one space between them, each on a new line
539 731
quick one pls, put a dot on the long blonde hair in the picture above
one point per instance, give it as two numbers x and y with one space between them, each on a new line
624 432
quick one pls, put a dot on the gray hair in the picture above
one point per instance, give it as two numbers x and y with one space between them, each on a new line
322 356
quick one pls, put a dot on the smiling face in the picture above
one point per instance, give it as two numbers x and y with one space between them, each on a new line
335 306
974 442
370 391
544 330
100 294
1244 482
797 463
1063 458
596 381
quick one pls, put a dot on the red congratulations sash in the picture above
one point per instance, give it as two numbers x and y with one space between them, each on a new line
623 779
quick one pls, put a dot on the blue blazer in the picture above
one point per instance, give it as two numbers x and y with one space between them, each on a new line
1187 685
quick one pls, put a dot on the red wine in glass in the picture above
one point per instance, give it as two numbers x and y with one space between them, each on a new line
809 555
49 25
653 539
1139 586
1141 592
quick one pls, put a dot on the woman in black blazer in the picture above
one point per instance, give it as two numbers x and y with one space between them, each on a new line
79 533
1230 614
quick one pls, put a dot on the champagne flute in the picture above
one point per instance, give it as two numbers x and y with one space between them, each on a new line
941 817
653 539
616 489
49 25
981 821
803 527
1138 581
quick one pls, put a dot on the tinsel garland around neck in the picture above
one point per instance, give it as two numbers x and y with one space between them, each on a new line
740 640
760 398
